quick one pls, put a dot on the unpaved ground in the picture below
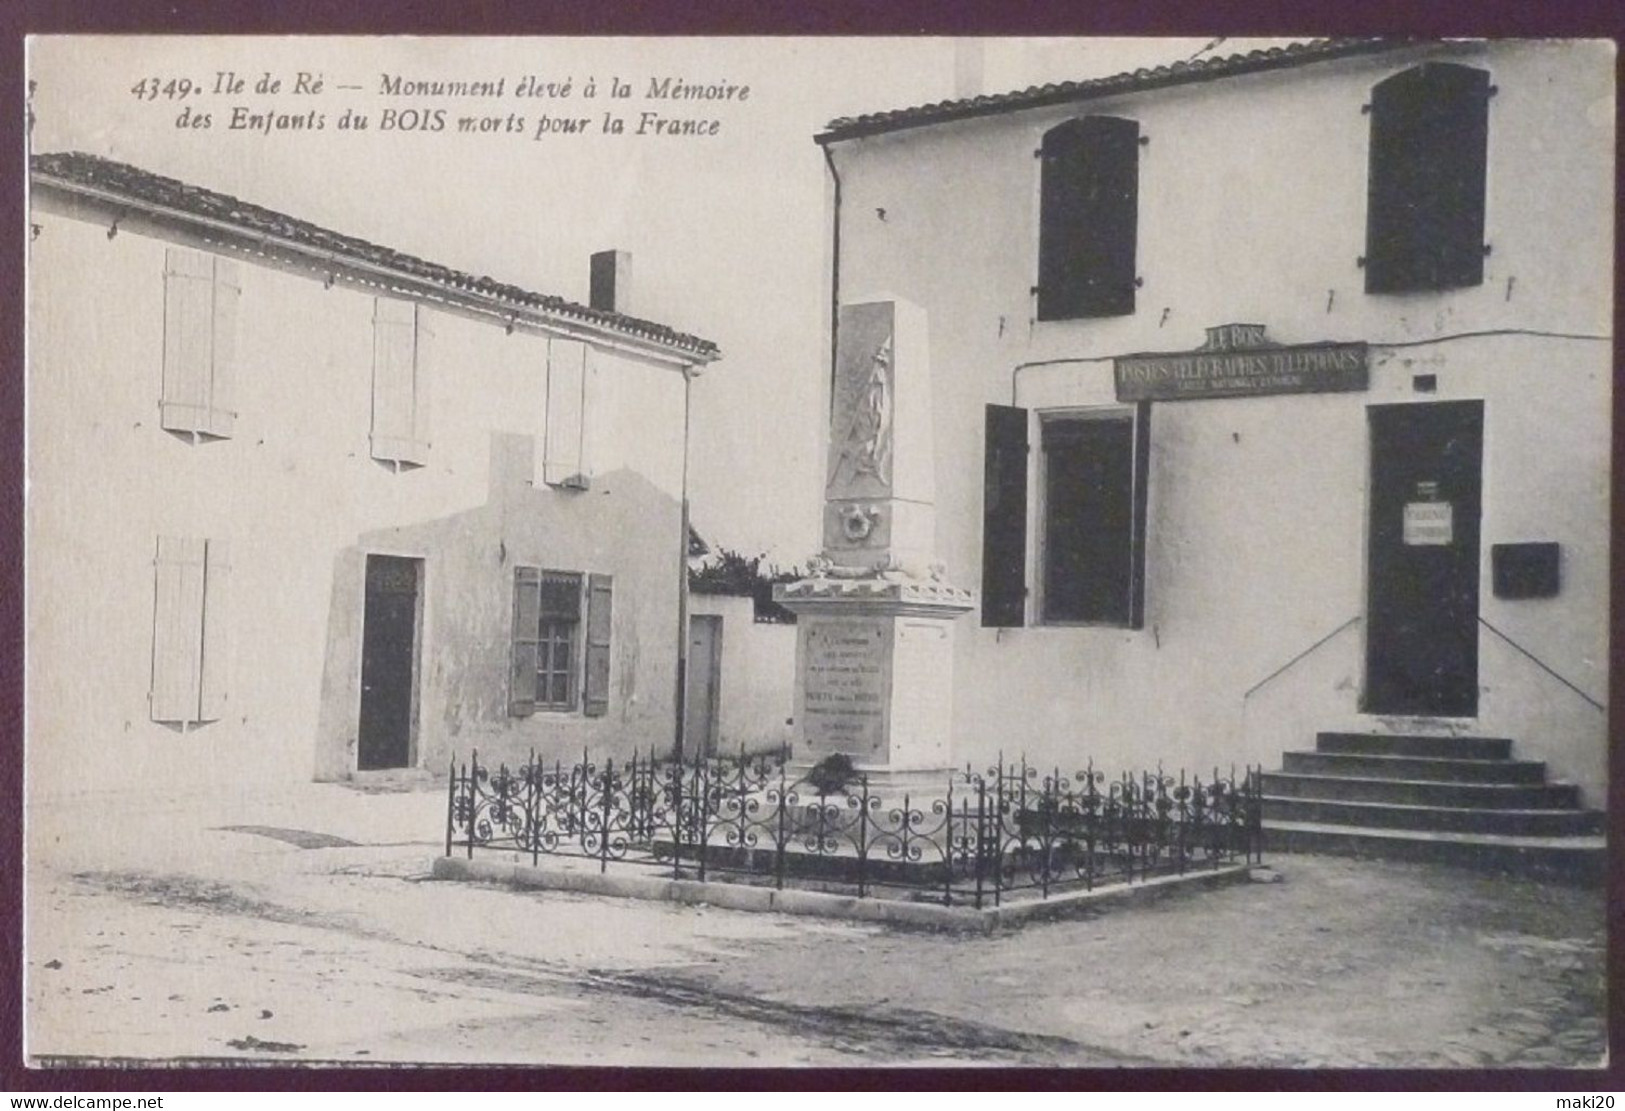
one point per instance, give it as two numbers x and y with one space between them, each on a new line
1345 963
180 939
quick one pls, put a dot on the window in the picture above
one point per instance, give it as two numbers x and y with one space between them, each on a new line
565 457
189 648
1095 469
1094 484
560 661
1425 191
558 624
1087 218
200 344
400 383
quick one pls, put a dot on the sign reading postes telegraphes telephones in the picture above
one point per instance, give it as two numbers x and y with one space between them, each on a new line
1237 360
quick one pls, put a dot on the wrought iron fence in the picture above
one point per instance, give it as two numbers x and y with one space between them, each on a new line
976 839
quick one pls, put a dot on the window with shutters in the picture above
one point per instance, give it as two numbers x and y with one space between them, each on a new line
1088 218
201 293
189 645
1094 488
561 633
1425 189
565 461
400 383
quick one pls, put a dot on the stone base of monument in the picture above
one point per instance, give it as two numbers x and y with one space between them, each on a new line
874 675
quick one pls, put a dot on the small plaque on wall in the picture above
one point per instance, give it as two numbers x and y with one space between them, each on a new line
1429 523
1526 570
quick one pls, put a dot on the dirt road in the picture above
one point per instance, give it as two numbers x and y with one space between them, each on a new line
301 944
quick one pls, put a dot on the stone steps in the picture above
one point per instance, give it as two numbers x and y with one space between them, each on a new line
1509 821
1576 858
1443 799
1433 769
1401 744
1422 792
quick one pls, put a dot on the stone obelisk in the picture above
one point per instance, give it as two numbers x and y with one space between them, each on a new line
875 617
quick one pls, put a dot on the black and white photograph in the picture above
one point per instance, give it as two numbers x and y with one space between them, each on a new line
817 552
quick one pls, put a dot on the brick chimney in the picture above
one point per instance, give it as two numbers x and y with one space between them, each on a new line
611 281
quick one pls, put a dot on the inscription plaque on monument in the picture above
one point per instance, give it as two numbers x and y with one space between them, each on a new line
844 687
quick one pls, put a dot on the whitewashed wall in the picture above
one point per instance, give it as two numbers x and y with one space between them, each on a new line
296 493
758 675
1252 208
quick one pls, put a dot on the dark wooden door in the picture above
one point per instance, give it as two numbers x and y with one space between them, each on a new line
388 658
1423 559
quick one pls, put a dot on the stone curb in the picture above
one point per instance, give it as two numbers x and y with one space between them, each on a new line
734 896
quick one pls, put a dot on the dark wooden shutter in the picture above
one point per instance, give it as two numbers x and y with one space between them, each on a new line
595 698
1004 517
1142 490
1425 192
527 603
1088 218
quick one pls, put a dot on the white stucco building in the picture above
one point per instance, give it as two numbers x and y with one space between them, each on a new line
300 505
1272 399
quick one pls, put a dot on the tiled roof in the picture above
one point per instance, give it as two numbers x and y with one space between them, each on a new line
138 185
1035 96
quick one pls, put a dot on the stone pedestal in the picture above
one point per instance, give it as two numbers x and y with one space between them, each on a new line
874 675
874 646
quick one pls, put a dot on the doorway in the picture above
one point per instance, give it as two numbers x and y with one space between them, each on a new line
704 684
1423 559
389 655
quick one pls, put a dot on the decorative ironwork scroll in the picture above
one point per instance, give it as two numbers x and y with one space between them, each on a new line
1009 831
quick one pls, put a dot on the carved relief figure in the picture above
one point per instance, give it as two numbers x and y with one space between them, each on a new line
867 442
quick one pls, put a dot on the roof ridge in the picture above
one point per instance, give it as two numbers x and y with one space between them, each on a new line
1145 77
97 171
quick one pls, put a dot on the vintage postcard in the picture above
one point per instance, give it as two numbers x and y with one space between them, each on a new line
818 552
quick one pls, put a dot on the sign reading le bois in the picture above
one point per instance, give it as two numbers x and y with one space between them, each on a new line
1238 361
